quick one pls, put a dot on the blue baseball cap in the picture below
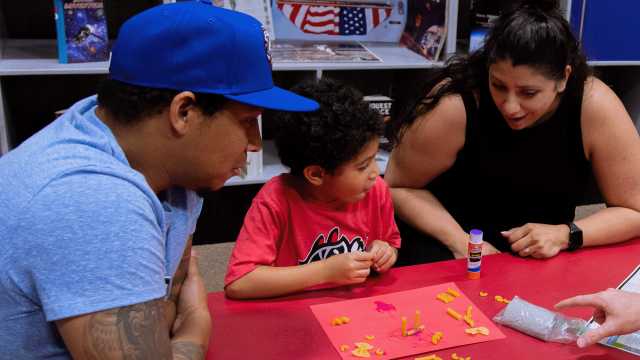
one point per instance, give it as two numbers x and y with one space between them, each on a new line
195 46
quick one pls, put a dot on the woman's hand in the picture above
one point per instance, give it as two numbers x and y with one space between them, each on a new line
463 253
488 249
539 241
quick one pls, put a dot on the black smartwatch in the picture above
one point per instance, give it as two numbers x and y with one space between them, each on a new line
575 236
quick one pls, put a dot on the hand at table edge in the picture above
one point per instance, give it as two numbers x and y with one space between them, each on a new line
617 312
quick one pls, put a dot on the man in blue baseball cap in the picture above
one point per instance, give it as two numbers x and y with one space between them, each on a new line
97 210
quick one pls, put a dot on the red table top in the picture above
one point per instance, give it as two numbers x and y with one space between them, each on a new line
285 327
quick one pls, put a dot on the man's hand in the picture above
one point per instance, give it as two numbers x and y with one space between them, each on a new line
541 241
141 328
171 305
192 300
618 313
385 255
348 268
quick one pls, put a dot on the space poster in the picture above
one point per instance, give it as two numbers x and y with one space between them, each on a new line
424 32
82 31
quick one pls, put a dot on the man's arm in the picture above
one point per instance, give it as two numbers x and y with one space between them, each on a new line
171 305
135 331
139 331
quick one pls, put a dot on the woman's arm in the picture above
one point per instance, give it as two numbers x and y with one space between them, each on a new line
612 145
428 148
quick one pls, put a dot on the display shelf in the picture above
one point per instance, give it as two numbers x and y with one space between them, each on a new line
272 166
37 57
40 57
614 63
392 55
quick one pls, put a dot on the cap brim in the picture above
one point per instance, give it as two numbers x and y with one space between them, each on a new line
276 99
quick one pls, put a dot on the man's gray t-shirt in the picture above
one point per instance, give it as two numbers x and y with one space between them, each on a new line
80 231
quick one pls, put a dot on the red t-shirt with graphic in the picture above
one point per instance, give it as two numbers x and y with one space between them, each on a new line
282 229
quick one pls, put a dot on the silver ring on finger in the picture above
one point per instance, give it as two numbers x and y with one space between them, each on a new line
526 250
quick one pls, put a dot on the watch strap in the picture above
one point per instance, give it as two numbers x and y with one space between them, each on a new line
575 236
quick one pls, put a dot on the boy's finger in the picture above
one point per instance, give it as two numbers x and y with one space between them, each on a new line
382 261
363 256
363 272
385 267
359 279
374 247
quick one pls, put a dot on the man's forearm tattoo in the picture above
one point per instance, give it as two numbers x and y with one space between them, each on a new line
134 332
186 350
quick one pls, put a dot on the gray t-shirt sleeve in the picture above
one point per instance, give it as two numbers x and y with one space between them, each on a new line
99 246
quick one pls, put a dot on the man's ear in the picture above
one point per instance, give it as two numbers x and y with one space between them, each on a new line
181 114
314 174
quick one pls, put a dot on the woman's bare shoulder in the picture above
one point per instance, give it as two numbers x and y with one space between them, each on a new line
429 146
599 101
603 116
447 115
595 90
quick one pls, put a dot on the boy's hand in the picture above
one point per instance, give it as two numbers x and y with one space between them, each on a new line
385 255
348 268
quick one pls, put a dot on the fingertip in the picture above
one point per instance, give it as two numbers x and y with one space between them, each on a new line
582 342
505 233
560 306
193 253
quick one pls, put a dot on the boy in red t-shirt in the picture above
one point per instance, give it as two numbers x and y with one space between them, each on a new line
330 219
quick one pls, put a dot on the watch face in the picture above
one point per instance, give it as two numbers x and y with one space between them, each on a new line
575 236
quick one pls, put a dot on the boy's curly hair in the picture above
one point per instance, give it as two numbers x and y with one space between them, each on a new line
329 136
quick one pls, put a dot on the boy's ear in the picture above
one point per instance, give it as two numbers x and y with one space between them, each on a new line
314 174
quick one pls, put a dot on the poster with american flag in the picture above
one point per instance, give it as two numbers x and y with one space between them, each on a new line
367 20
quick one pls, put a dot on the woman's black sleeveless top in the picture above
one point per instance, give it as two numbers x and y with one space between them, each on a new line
504 178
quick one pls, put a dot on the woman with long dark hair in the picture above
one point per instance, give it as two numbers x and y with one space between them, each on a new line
502 141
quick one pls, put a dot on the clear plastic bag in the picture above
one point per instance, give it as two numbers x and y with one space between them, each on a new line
540 323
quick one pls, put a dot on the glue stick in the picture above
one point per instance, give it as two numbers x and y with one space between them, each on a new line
475 255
